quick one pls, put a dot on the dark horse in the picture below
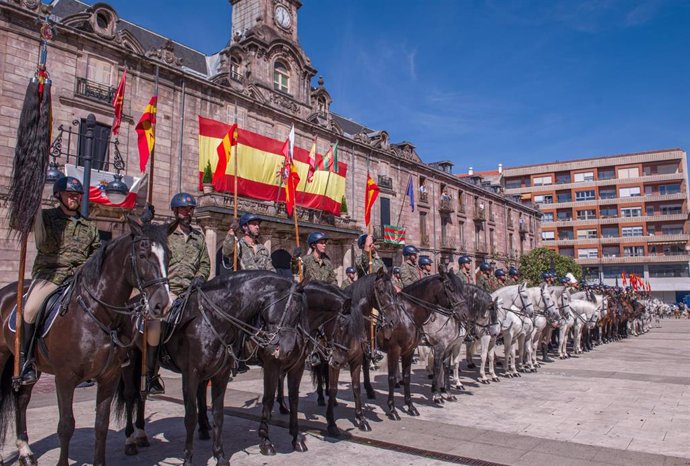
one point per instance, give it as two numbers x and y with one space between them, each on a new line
91 339
263 306
442 294
375 290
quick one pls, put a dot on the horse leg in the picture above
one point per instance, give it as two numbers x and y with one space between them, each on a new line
507 351
371 394
21 400
393 358
322 379
281 395
294 377
190 387
468 355
202 406
104 399
406 373
128 392
360 420
271 376
65 395
492 360
219 385
484 355
437 383
332 393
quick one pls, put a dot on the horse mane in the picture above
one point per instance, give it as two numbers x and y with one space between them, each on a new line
360 290
477 298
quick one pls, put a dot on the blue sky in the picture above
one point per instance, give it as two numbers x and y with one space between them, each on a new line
485 82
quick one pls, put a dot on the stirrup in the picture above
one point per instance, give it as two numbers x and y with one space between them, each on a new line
314 359
28 376
155 385
377 356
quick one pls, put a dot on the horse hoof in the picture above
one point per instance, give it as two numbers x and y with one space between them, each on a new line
221 461
284 410
299 445
496 379
484 381
321 402
267 449
371 395
393 416
364 426
143 442
412 411
29 460
335 403
397 384
517 374
333 431
460 387
130 450
188 462
471 365
451 398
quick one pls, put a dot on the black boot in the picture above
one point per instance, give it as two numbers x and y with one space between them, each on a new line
545 354
154 384
28 375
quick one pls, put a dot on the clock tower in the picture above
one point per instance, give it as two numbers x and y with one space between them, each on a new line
264 58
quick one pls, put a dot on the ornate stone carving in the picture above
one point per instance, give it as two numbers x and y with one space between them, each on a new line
165 54
31 5
285 102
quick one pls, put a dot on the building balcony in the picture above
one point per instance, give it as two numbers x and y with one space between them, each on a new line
614 220
678 238
479 215
424 197
95 91
445 205
597 183
614 200
634 260
385 182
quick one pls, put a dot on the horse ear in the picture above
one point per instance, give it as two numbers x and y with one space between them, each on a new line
135 224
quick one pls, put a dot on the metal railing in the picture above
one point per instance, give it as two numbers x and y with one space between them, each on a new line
445 205
95 91
385 182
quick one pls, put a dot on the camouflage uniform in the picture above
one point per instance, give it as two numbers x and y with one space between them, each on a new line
318 270
465 276
248 259
188 259
484 283
363 264
426 274
66 243
409 273
347 282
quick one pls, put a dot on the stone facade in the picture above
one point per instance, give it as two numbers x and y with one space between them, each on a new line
263 79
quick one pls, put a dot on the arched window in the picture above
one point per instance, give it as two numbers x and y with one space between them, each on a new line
322 105
281 77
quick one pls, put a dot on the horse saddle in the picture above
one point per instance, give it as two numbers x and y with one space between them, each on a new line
53 306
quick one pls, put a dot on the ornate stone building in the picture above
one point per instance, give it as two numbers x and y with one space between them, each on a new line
263 79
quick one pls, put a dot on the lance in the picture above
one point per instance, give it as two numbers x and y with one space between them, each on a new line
234 202
29 172
372 322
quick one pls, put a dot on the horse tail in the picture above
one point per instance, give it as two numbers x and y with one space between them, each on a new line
127 388
7 395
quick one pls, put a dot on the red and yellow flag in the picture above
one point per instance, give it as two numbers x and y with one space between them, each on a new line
625 282
312 161
224 152
291 175
146 133
118 102
370 194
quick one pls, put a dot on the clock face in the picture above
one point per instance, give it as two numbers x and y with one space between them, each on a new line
282 16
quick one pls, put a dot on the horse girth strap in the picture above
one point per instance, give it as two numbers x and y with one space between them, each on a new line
113 333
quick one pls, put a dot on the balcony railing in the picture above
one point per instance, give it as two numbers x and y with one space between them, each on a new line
95 91
385 182
445 205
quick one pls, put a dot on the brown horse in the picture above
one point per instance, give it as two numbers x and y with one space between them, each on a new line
90 339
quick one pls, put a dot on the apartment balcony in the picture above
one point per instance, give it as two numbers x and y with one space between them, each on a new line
95 91
634 260
679 238
617 201
615 220
445 206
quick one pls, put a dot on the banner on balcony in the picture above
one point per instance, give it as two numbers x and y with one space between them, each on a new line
100 179
394 234
259 164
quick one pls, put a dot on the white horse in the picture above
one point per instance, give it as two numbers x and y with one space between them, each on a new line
515 317
486 334
545 314
586 315
561 296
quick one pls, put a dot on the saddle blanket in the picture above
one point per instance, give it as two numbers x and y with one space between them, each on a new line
47 315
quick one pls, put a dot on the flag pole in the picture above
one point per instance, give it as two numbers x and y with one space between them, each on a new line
402 204
149 195
234 203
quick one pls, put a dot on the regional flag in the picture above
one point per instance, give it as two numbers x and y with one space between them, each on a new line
146 133
312 161
370 195
393 234
118 102
330 160
224 150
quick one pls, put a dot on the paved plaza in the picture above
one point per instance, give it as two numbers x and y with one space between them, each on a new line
625 403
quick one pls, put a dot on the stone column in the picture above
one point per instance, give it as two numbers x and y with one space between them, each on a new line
211 244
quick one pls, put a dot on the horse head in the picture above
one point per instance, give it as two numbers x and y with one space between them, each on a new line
284 321
526 303
148 261
348 330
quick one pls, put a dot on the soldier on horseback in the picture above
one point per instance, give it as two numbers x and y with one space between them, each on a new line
317 265
64 241
500 275
513 276
409 271
189 267
366 244
397 282
484 279
351 277
465 274
425 265
252 255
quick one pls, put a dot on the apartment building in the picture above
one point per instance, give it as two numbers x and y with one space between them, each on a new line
621 213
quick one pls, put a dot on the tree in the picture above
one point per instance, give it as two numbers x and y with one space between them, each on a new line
539 260
208 174
343 206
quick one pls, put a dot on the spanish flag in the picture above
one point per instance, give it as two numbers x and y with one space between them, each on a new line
224 152
118 102
370 195
146 133
291 174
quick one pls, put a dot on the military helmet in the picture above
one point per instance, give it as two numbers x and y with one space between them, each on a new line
499 273
464 260
361 240
182 200
545 275
564 280
67 184
315 237
484 267
513 272
409 250
424 260
246 218
396 270
350 270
